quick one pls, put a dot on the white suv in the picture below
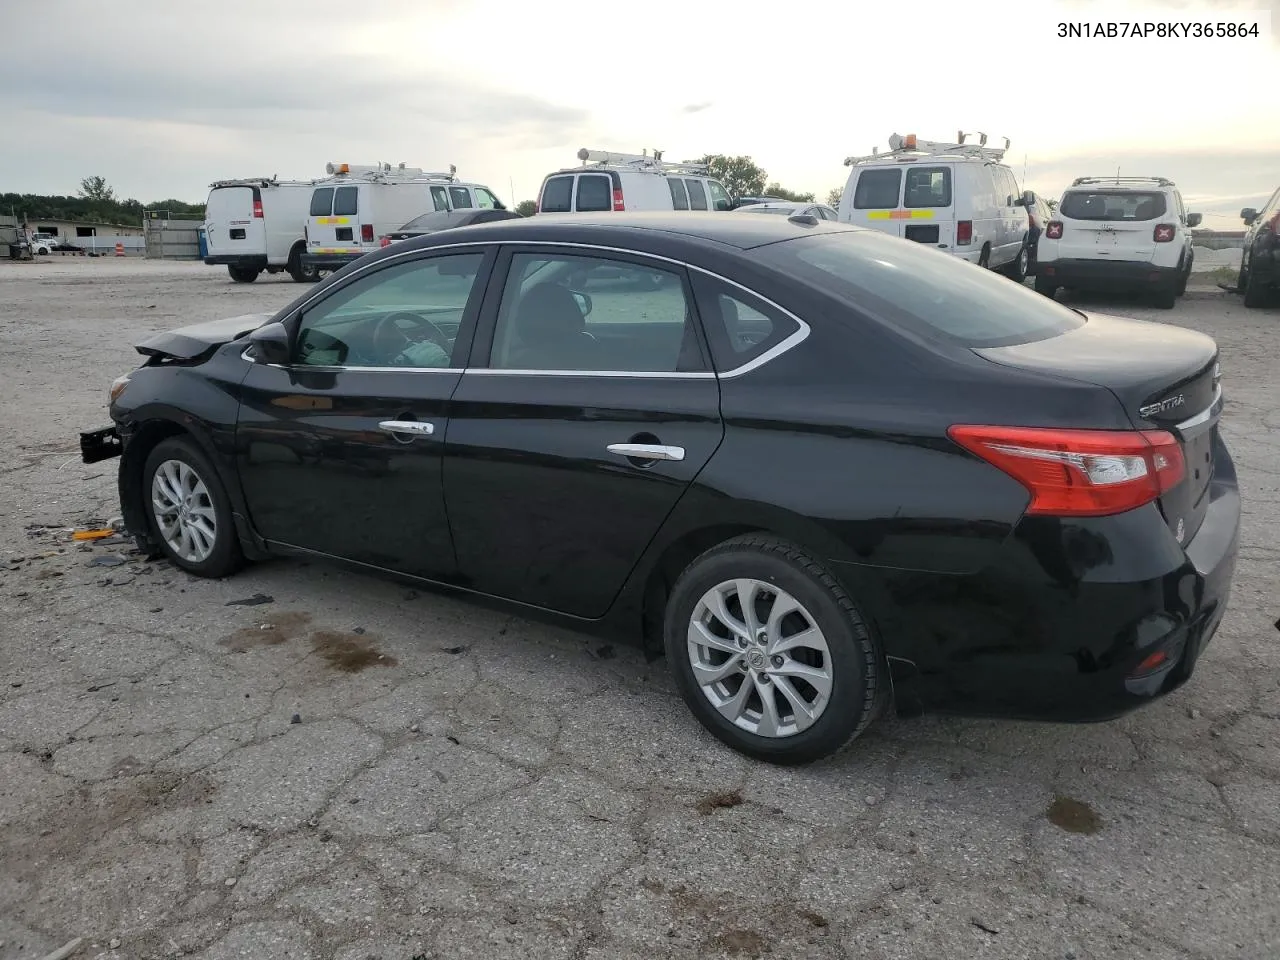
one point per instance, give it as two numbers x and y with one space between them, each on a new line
1118 233
626 181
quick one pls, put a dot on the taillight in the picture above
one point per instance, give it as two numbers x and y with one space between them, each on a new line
964 233
1080 473
1054 230
617 200
386 242
1164 232
257 209
366 233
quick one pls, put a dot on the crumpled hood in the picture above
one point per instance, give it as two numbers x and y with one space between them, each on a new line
187 343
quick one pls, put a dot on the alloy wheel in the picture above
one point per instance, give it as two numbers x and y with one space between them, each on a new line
184 511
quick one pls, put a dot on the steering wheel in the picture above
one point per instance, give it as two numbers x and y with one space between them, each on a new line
386 329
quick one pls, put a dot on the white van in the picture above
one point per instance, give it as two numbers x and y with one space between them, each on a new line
630 181
256 224
956 197
351 211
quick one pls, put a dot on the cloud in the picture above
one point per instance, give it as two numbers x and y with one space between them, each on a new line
696 107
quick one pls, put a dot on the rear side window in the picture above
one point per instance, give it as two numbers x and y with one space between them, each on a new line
679 198
927 187
557 195
697 196
439 198
877 189
595 193
322 202
1113 205
739 326
912 287
461 197
346 201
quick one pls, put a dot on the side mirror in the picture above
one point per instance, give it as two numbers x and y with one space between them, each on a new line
1193 219
271 343
584 302
1248 215
1028 198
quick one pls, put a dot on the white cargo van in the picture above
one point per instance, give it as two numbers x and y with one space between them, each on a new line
351 210
256 224
630 181
957 197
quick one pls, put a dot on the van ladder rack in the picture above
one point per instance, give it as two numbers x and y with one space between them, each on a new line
639 161
1162 181
909 148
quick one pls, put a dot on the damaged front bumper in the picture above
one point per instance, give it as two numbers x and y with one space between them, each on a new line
99 445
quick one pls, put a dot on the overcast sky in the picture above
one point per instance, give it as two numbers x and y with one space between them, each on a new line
161 97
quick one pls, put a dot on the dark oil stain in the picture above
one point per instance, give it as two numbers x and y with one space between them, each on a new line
48 574
817 919
719 800
653 886
270 631
743 943
1074 816
349 652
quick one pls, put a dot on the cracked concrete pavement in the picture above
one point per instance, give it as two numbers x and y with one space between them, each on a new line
359 770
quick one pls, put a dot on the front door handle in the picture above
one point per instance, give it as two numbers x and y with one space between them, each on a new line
646 451
412 428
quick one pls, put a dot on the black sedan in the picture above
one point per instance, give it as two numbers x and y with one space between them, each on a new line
439 220
825 470
1259 277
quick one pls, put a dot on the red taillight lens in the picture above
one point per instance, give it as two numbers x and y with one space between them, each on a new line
1164 232
617 200
1054 230
964 232
386 242
1080 473
366 233
257 209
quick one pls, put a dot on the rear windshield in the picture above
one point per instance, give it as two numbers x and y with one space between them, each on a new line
557 195
877 189
927 187
921 290
345 201
436 220
1112 205
760 208
595 192
322 202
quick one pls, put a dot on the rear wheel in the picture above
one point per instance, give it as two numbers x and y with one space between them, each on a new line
984 258
1016 269
1166 294
1255 294
301 272
188 510
770 653
243 274
1185 275
1046 287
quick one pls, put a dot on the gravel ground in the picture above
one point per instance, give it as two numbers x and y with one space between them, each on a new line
355 770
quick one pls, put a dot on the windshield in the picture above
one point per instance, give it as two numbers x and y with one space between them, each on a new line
761 208
920 289
1112 205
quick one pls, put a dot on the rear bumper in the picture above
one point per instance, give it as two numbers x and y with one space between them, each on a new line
252 261
1078 621
329 261
1105 273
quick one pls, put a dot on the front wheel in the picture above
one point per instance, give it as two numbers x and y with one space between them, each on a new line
243 274
188 510
1255 295
1045 287
770 653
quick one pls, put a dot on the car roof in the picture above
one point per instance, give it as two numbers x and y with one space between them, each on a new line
637 230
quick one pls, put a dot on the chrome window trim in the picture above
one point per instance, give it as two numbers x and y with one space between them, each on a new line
794 340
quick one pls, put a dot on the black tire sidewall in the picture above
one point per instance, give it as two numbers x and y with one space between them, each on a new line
226 554
849 708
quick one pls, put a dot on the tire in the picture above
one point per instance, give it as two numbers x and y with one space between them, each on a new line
243 274
1166 294
1185 276
179 458
1045 287
298 271
1016 269
851 661
1255 294
984 258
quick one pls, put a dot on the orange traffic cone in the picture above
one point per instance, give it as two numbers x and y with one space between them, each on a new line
119 249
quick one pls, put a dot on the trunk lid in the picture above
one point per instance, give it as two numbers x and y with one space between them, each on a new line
1110 223
1166 377
198 339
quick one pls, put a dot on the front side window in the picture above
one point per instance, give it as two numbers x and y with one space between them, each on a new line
346 201
564 312
719 196
405 315
595 193
697 195
486 200
1113 205
322 202
557 195
877 189
927 187
461 197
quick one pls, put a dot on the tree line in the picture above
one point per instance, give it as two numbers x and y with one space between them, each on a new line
94 202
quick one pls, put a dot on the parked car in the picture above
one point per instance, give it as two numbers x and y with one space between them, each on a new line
358 205
445 220
43 243
615 182
748 201
960 198
817 487
790 208
1260 261
1118 233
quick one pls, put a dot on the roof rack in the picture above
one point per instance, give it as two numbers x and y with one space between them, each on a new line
909 148
386 173
1164 182
252 182
639 161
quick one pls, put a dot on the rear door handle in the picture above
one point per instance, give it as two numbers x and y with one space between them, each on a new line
646 451
415 428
